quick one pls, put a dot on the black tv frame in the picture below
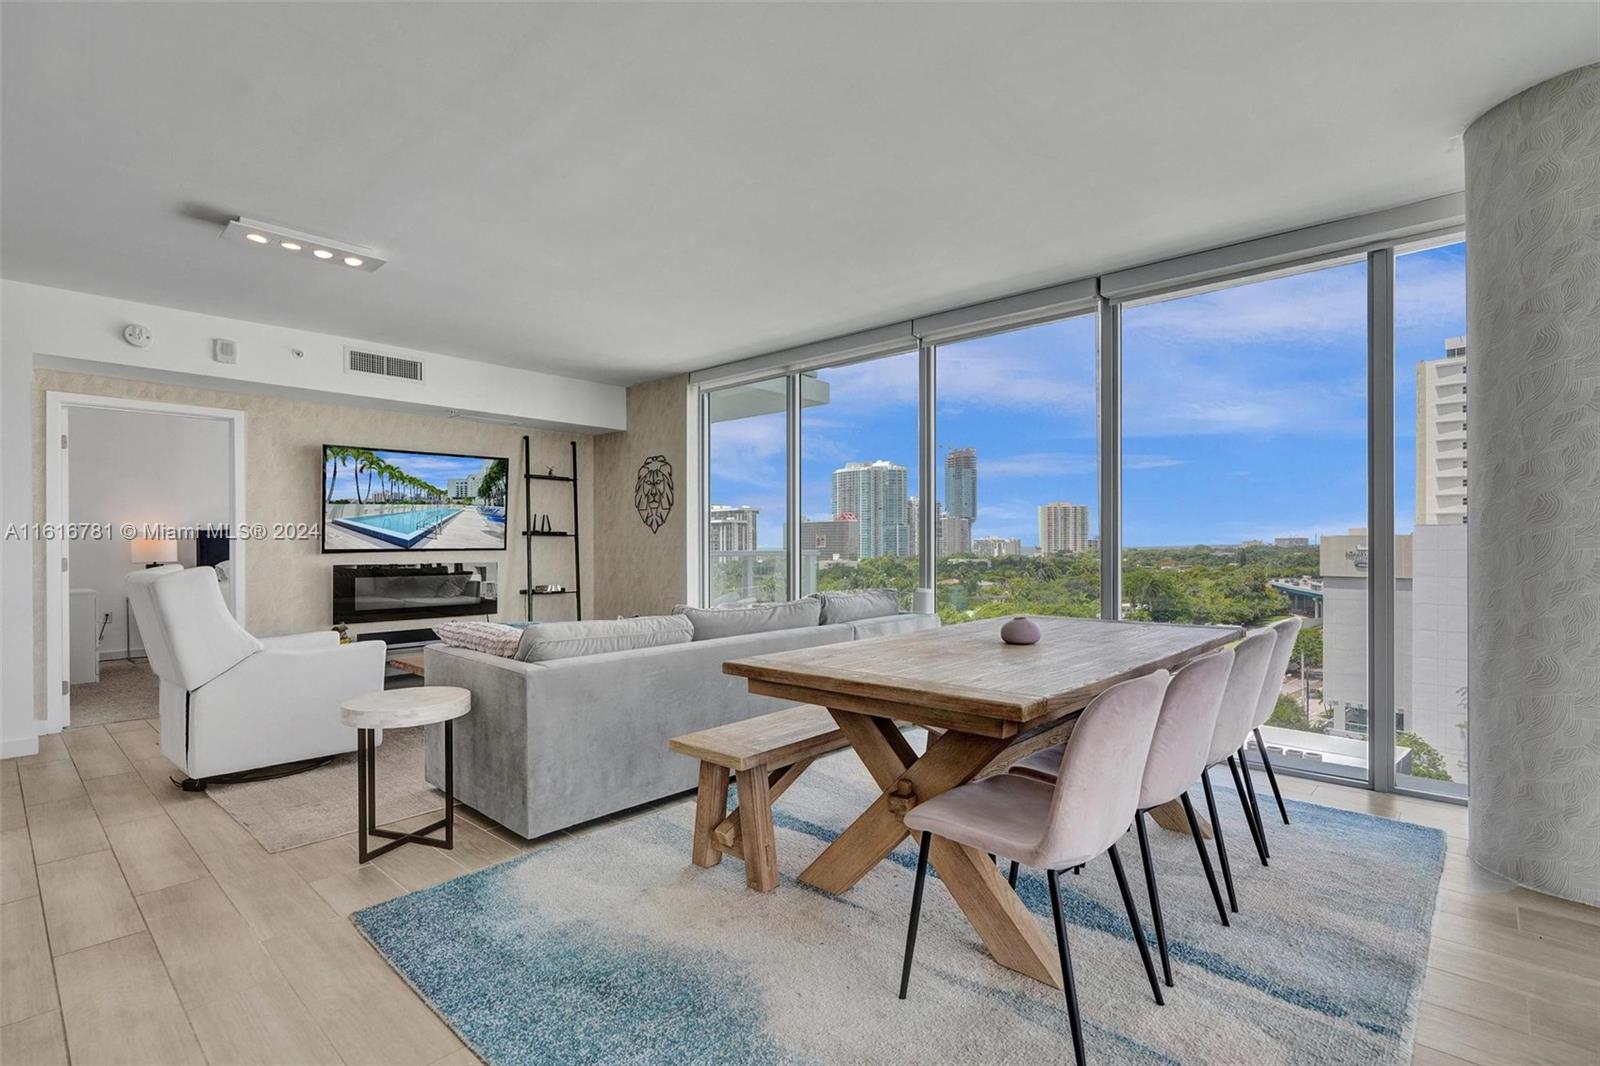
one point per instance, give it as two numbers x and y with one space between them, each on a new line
322 524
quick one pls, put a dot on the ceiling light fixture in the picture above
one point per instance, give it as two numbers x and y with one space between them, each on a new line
323 249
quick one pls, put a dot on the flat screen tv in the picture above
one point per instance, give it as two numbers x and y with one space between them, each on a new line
382 500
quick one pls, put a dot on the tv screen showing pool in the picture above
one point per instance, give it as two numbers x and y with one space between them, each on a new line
380 500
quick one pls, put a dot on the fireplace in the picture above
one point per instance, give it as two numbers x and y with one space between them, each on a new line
387 592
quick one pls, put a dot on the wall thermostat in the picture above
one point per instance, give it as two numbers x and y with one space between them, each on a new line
224 351
136 335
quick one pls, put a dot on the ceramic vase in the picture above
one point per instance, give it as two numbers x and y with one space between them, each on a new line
1020 631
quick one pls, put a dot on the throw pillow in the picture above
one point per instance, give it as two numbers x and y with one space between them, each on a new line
714 623
491 638
855 606
569 640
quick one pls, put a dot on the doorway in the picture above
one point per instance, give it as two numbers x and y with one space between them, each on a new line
129 483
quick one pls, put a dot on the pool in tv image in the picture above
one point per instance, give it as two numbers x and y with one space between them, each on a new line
375 499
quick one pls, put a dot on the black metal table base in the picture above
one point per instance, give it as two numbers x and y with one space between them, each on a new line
367 802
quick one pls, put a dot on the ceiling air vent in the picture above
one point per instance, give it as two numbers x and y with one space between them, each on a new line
357 361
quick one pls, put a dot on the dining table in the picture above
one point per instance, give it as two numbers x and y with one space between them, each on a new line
984 703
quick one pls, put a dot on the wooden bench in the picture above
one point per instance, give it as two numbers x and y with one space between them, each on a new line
767 755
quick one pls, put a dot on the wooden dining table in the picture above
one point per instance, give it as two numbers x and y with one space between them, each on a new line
983 702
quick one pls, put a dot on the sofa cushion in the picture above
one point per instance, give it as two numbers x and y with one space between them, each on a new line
491 638
714 623
890 625
567 640
854 606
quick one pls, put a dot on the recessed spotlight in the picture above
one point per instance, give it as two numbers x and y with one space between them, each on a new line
323 249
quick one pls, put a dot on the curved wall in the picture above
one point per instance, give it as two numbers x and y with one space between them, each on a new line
1533 278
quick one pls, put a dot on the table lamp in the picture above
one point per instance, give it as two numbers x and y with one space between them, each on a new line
153 552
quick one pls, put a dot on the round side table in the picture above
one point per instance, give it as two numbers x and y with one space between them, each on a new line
398 709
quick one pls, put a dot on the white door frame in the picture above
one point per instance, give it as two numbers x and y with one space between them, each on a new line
57 406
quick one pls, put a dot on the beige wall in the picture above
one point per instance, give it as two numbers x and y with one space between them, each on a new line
289 583
645 572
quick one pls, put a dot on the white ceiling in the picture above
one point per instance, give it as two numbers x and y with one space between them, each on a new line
618 191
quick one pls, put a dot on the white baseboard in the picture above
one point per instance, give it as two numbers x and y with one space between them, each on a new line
11 748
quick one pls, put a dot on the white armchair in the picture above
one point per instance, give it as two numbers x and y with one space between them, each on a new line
230 702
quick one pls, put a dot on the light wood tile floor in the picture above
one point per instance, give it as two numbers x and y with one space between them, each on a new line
141 924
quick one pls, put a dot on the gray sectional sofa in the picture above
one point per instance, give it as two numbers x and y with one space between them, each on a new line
548 745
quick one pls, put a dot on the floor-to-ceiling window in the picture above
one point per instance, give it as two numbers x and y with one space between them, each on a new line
859 476
1244 486
747 493
1247 430
1431 351
1017 510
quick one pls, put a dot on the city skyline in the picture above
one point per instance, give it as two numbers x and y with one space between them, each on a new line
1235 403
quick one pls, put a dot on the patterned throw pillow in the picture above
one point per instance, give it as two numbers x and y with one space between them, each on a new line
491 638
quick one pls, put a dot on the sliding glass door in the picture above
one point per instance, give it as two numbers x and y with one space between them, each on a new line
1244 486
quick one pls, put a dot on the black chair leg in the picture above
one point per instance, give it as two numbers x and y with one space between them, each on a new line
916 912
1205 857
1135 924
1155 898
1011 878
1255 802
1272 778
1067 983
1249 814
1222 848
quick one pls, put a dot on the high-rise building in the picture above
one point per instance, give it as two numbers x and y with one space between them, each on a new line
961 482
996 547
955 535
837 538
1442 437
1063 527
463 488
1291 542
733 529
874 494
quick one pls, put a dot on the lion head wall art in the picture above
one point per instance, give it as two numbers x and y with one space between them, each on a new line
652 492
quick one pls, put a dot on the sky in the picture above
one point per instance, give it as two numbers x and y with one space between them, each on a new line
434 469
1244 413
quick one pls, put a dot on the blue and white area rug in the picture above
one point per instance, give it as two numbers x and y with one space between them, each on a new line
610 947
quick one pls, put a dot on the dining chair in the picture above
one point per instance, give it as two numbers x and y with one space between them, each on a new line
1052 827
1178 751
1287 631
1251 658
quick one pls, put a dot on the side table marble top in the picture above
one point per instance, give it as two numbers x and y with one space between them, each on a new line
402 707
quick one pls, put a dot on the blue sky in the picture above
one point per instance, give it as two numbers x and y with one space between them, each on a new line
1244 412
434 469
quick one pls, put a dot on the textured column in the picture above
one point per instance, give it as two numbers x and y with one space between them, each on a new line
1533 303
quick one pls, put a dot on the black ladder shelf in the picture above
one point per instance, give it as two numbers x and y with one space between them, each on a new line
529 478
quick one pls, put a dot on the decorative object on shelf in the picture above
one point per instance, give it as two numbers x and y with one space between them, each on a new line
1020 630
538 525
652 493
344 633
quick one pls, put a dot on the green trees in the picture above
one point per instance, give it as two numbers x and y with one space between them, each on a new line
1426 761
1308 648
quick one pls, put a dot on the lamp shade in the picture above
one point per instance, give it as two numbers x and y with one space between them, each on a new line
150 551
